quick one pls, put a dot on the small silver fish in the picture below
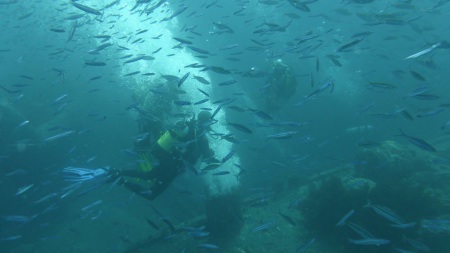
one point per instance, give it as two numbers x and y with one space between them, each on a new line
425 51
23 189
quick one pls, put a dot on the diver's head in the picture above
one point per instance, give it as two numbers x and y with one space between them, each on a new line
203 117
204 120
278 66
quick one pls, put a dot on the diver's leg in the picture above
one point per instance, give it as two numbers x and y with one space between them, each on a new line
140 190
161 178
136 174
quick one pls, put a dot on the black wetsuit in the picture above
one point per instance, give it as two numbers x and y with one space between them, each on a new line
171 164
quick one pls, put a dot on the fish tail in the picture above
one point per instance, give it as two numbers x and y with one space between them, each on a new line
401 133
368 204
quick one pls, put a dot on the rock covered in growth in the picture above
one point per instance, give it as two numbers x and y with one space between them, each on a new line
389 160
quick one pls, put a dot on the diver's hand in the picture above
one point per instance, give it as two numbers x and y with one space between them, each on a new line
211 160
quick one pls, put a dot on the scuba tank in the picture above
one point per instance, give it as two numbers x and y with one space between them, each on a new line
167 140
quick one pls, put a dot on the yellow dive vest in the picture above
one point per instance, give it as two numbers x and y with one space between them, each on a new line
146 163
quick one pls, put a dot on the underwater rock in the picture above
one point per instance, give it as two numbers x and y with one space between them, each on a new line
351 183
389 161
224 215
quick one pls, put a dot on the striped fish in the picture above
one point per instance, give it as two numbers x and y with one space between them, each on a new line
263 227
386 213
418 142
370 241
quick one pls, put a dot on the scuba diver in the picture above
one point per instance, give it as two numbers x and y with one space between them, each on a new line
282 85
178 148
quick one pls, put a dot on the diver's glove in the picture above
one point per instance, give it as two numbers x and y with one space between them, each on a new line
211 160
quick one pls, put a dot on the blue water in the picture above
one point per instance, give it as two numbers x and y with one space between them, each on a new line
79 78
